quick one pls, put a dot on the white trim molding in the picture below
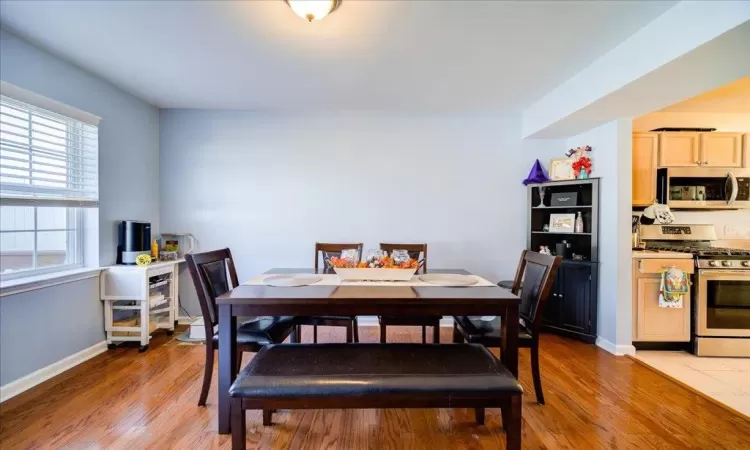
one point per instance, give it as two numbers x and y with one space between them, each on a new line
27 382
618 350
18 285
40 101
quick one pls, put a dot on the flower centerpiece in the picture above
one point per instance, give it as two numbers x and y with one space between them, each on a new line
582 166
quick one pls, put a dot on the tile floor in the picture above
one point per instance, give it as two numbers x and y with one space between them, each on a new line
726 380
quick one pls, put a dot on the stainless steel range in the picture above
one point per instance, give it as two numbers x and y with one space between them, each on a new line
721 293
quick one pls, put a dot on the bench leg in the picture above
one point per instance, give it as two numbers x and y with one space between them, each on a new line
349 333
315 334
513 427
238 425
267 413
424 334
479 415
355 324
436 333
382 333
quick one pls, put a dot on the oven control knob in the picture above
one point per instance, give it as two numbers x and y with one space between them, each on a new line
746 263
726 263
713 263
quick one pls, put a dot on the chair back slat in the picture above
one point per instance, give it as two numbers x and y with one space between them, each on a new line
415 251
536 272
213 274
328 250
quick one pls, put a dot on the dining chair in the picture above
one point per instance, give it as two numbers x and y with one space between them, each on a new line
534 278
418 252
213 274
326 251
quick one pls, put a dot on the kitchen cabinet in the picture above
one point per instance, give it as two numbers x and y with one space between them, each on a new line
645 153
721 149
571 306
652 323
679 149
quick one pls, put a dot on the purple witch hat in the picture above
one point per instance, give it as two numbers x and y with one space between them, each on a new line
536 175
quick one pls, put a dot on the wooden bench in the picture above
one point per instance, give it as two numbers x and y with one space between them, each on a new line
333 376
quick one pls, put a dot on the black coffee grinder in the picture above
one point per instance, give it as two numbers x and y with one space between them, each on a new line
133 239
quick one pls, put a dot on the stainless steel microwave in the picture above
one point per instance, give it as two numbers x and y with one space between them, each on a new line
704 188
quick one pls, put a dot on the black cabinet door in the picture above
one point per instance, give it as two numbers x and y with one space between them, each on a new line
552 309
575 299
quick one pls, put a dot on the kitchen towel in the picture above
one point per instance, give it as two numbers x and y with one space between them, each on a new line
674 284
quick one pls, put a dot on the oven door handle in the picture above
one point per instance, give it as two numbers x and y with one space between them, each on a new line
703 272
732 180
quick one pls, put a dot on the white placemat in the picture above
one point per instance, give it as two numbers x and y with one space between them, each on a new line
283 280
333 280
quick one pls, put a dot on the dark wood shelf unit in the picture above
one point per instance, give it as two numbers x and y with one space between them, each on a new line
572 308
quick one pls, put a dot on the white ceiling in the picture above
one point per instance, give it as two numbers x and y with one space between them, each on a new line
435 55
733 98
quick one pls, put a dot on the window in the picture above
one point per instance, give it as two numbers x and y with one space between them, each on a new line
48 173
39 239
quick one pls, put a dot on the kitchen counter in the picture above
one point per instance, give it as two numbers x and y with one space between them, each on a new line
639 254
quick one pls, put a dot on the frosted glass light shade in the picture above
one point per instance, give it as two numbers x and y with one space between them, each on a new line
312 9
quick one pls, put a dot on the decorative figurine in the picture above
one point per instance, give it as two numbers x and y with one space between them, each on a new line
536 175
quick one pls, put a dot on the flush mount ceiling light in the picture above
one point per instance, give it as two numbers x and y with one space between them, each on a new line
313 9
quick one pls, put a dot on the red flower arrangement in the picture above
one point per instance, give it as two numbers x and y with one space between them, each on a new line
582 163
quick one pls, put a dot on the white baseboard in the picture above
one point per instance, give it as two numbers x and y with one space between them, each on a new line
618 350
27 382
372 321
185 320
363 321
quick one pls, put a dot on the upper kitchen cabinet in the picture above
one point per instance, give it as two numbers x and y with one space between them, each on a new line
679 150
721 149
645 152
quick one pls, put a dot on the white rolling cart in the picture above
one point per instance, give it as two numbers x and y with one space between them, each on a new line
151 290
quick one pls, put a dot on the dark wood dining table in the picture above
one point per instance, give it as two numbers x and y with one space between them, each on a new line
262 300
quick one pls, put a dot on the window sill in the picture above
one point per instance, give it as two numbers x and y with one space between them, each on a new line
18 285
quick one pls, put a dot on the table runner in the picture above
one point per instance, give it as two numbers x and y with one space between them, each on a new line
333 280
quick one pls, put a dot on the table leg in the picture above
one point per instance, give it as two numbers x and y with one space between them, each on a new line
227 364
510 339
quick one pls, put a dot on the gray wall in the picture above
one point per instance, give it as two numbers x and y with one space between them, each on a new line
611 155
269 185
40 327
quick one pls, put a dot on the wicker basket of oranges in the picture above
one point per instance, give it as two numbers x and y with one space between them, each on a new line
379 266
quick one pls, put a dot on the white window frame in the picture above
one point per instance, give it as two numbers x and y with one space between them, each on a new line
75 214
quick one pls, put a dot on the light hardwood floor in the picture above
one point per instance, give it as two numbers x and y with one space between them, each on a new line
126 400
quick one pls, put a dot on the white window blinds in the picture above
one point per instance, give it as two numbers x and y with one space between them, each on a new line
46 159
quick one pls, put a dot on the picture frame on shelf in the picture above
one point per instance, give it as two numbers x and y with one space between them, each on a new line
562 223
561 169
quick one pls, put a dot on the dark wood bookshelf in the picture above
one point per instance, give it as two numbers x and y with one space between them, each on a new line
572 307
